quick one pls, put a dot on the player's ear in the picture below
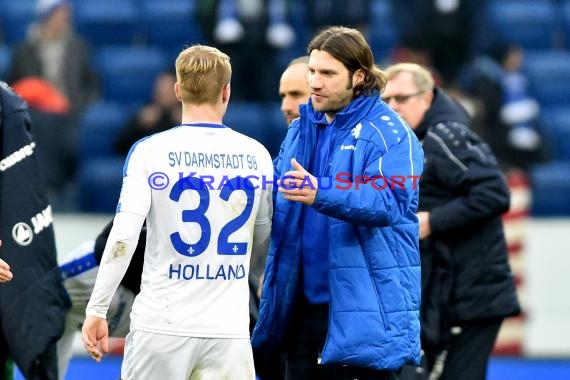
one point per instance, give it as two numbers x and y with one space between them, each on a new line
226 91
358 77
177 91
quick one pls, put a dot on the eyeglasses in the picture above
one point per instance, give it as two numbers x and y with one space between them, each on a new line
401 99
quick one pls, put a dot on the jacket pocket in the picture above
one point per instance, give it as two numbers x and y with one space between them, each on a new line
381 308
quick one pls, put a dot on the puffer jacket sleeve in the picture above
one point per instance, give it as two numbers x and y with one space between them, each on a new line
387 196
281 160
467 166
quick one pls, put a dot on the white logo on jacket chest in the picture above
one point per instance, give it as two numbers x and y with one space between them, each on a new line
356 131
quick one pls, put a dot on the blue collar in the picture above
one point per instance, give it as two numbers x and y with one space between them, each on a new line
356 110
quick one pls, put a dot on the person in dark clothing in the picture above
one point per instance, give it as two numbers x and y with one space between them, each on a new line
442 30
34 303
249 31
350 13
510 113
467 285
53 51
162 114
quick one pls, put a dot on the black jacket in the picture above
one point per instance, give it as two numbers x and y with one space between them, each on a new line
465 265
34 303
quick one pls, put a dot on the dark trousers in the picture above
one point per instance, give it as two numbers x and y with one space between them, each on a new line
466 358
44 368
307 340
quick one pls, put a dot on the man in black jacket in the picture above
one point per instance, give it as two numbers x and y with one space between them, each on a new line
33 304
467 285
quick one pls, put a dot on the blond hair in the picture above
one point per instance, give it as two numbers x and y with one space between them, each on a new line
420 75
202 71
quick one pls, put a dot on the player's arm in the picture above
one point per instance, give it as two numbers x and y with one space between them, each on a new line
134 203
374 197
116 258
262 229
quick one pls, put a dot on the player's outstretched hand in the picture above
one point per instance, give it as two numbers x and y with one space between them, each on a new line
5 274
95 334
298 185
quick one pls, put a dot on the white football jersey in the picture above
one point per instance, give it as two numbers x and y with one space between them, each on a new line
203 188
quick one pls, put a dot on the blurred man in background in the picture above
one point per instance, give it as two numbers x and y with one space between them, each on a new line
467 284
294 88
53 51
161 114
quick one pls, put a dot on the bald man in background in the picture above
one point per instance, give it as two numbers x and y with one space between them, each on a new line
294 88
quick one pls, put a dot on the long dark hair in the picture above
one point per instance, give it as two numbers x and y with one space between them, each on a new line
350 47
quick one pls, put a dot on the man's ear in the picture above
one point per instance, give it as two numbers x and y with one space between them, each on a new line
177 91
358 77
226 91
429 97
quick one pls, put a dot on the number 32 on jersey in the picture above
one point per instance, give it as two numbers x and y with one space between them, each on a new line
198 216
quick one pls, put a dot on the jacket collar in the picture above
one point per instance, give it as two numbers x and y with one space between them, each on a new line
443 109
345 119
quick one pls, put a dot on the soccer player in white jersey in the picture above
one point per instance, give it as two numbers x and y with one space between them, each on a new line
206 193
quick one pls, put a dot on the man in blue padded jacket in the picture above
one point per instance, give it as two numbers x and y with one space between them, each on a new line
342 279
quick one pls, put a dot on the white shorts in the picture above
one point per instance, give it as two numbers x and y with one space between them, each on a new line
150 356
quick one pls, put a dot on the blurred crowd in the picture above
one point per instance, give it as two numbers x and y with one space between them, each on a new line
68 58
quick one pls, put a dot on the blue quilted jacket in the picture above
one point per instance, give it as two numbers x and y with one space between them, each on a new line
374 266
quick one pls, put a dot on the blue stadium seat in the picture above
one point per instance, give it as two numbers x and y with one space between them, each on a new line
247 118
263 122
284 56
128 73
549 75
5 56
100 182
107 22
170 24
383 33
16 17
276 128
297 17
98 129
531 23
555 127
550 188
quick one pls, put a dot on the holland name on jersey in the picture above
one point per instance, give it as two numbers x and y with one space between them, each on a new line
206 272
